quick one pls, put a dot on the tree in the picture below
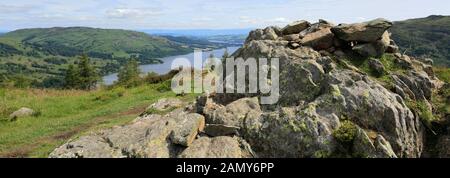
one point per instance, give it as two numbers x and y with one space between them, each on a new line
87 77
71 78
129 74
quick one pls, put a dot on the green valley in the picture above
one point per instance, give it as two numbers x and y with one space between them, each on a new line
39 57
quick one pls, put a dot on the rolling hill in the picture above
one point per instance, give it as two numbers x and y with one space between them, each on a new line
425 37
43 54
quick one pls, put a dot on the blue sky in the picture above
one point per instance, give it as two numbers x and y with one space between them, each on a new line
205 14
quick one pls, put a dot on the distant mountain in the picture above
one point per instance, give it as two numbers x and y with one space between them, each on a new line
425 37
101 43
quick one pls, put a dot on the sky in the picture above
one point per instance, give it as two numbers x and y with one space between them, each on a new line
205 14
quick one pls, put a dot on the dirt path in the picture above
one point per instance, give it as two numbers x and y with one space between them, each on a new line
25 150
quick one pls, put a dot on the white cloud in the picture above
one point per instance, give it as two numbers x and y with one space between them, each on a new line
278 20
15 8
131 13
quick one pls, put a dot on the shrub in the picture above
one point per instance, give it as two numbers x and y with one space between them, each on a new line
346 133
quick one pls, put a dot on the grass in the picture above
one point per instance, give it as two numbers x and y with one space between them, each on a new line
424 113
441 97
66 114
385 79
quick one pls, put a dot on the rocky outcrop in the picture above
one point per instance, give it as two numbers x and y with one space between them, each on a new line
316 95
344 92
155 136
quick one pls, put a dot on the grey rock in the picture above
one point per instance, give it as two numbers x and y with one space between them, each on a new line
365 147
93 146
403 61
216 147
146 137
322 24
232 114
22 112
322 39
292 37
373 49
215 130
377 66
417 85
188 128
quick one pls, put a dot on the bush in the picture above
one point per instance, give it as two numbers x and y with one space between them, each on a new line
346 133
153 78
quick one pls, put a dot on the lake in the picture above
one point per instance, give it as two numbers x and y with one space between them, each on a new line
165 67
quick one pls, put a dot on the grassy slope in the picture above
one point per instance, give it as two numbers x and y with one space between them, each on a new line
66 114
428 37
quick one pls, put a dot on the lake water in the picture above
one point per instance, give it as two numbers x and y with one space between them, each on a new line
165 67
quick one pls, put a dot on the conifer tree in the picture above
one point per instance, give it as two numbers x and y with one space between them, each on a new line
87 77
71 78
129 74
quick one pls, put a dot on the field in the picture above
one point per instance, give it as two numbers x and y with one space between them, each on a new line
65 114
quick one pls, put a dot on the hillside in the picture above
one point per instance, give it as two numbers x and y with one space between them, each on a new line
66 114
44 53
343 91
425 37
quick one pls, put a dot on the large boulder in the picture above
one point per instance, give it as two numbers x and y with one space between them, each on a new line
232 114
188 128
322 39
22 112
374 49
147 137
322 24
362 32
92 146
295 27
